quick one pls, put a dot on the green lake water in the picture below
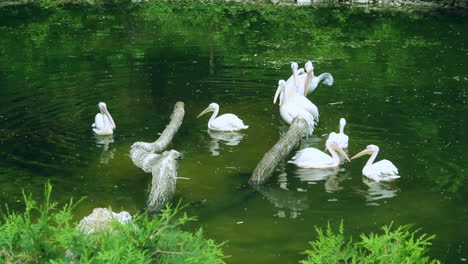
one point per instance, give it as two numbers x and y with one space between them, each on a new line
401 82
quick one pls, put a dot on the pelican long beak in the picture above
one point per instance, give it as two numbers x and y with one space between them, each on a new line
341 151
277 93
307 82
362 153
104 111
110 119
208 109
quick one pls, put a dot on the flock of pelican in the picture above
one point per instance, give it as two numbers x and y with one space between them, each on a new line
293 102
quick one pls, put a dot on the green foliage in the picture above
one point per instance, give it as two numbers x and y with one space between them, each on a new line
44 233
397 246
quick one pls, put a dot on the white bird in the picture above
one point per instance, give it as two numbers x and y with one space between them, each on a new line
315 159
226 122
383 170
291 106
312 82
103 122
293 83
340 138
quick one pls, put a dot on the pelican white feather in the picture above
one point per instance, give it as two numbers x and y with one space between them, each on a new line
383 170
315 159
312 81
103 122
340 138
225 122
296 105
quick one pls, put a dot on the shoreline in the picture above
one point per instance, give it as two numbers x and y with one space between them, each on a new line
402 5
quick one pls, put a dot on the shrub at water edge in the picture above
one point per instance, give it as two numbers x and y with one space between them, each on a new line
45 234
394 246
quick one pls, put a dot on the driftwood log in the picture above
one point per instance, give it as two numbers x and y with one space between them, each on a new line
163 166
265 168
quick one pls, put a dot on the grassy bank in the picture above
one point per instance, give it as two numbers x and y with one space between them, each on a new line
44 233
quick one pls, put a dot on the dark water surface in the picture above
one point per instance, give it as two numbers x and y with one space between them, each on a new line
401 81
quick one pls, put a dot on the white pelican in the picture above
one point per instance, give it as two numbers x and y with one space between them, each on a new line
291 106
313 158
226 122
312 82
340 138
103 122
383 170
292 84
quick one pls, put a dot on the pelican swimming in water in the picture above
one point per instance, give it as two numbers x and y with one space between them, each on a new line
340 138
226 122
383 170
291 106
312 82
313 158
103 122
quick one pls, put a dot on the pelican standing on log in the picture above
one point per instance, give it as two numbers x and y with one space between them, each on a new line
292 84
290 107
312 158
341 138
103 122
225 122
383 170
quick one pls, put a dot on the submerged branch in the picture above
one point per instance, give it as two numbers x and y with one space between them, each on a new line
265 168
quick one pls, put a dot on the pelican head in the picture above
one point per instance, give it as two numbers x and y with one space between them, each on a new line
294 66
212 107
369 151
308 66
332 145
103 108
310 74
342 122
281 86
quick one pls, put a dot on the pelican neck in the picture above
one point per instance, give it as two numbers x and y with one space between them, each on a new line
372 158
335 157
213 116
342 128
310 76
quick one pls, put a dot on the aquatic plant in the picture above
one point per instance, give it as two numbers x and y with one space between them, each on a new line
46 234
395 245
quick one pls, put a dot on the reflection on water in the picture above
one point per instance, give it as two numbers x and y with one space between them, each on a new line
288 203
379 190
329 176
104 142
227 138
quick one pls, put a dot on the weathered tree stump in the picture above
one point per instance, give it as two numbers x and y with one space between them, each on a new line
163 185
265 168
163 167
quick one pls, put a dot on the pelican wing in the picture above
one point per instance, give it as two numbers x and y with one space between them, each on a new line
306 104
102 125
326 78
289 111
227 122
383 170
311 158
98 121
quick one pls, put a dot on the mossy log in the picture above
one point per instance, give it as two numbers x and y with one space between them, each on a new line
163 166
265 168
